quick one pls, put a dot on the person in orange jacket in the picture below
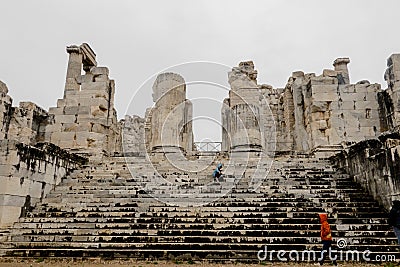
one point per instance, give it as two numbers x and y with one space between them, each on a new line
326 238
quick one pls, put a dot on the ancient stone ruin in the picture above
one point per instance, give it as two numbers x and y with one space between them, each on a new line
77 182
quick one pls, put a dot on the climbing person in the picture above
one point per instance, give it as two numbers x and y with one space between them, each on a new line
217 174
394 219
326 239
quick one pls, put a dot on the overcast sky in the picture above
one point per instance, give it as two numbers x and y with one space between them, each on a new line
137 39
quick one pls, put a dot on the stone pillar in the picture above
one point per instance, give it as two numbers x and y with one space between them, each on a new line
74 68
340 65
392 77
171 117
226 126
186 133
5 111
245 103
79 56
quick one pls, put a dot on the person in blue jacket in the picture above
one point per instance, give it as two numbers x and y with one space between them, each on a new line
217 172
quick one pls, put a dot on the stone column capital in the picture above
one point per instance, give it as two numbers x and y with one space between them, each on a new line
73 49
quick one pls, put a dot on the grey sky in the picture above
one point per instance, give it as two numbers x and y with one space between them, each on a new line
137 39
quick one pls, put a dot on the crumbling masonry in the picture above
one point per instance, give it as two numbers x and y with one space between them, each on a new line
50 159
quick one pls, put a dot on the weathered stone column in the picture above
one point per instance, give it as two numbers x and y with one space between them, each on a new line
340 65
392 77
79 56
74 68
245 103
5 111
226 125
171 117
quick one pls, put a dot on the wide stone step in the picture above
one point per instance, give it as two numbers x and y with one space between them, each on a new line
209 246
188 230
189 236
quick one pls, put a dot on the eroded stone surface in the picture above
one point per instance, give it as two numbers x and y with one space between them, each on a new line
85 120
169 121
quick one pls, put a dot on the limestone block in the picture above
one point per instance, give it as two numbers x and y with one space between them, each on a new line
6 170
101 78
69 127
238 79
56 111
296 74
62 136
16 185
95 139
346 105
67 102
71 84
99 128
88 102
394 62
35 189
363 105
65 119
319 80
11 157
81 141
320 141
365 88
88 77
56 127
324 88
83 127
9 214
95 86
94 94
351 120
84 110
3 88
71 110
329 73
10 200
47 189
319 106
335 135
348 88
370 123
84 118
98 111
66 144
99 70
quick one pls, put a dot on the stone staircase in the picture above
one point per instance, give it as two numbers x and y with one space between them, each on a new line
124 208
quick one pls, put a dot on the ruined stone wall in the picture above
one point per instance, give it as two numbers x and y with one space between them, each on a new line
133 135
85 120
28 123
375 164
273 126
392 99
28 174
321 112
25 123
